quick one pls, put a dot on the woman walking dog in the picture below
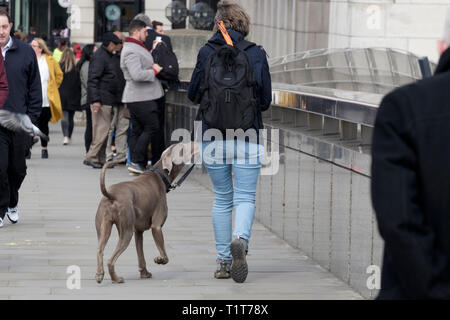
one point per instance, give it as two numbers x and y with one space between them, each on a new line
232 107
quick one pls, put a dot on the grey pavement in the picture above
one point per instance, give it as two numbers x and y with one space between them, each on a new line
58 203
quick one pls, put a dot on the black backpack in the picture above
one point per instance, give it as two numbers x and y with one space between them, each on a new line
228 94
167 59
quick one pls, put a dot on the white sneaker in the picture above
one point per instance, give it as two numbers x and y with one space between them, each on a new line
13 215
1 223
66 141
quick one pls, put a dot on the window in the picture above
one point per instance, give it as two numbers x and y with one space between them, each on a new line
113 16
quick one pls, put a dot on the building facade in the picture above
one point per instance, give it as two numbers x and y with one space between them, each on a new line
88 20
92 18
44 15
288 26
281 26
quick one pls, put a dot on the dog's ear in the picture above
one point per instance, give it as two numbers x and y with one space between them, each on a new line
178 154
166 159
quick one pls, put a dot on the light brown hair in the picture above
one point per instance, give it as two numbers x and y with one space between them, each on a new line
67 62
233 16
43 46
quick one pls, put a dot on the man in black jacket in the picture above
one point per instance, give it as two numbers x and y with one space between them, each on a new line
25 96
119 124
102 96
411 186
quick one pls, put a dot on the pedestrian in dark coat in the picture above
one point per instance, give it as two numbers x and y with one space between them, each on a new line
119 123
411 187
237 190
258 60
83 68
24 96
102 95
3 83
70 92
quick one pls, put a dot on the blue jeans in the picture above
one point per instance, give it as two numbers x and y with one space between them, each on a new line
245 164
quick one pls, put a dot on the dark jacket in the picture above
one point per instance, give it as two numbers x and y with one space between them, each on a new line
120 81
411 187
70 90
102 79
24 80
3 83
261 74
151 36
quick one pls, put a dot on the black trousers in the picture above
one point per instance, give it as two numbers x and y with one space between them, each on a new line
42 123
88 132
68 124
158 140
13 168
145 126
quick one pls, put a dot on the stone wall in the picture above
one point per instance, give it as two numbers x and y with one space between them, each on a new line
288 26
83 32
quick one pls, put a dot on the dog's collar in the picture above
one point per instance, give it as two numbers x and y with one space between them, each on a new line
169 186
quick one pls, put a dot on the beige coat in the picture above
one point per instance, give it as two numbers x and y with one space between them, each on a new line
141 83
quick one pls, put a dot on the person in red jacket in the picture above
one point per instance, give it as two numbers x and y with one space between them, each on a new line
77 50
3 83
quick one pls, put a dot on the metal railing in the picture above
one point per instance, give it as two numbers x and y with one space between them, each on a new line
374 70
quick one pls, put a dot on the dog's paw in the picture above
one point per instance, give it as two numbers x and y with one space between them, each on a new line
99 277
118 280
145 274
161 260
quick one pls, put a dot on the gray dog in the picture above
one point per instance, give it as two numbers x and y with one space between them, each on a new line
136 206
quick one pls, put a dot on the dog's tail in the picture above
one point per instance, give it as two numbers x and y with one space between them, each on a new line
102 179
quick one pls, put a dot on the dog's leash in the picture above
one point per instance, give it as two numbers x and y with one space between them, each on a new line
169 186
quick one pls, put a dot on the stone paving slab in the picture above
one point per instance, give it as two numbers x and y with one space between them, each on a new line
58 203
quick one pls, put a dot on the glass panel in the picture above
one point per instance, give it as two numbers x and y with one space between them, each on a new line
367 70
115 16
39 17
59 16
25 15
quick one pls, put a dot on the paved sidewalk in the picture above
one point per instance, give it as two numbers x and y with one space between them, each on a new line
58 203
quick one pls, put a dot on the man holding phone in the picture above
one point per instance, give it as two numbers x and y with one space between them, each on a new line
151 32
142 90
152 39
